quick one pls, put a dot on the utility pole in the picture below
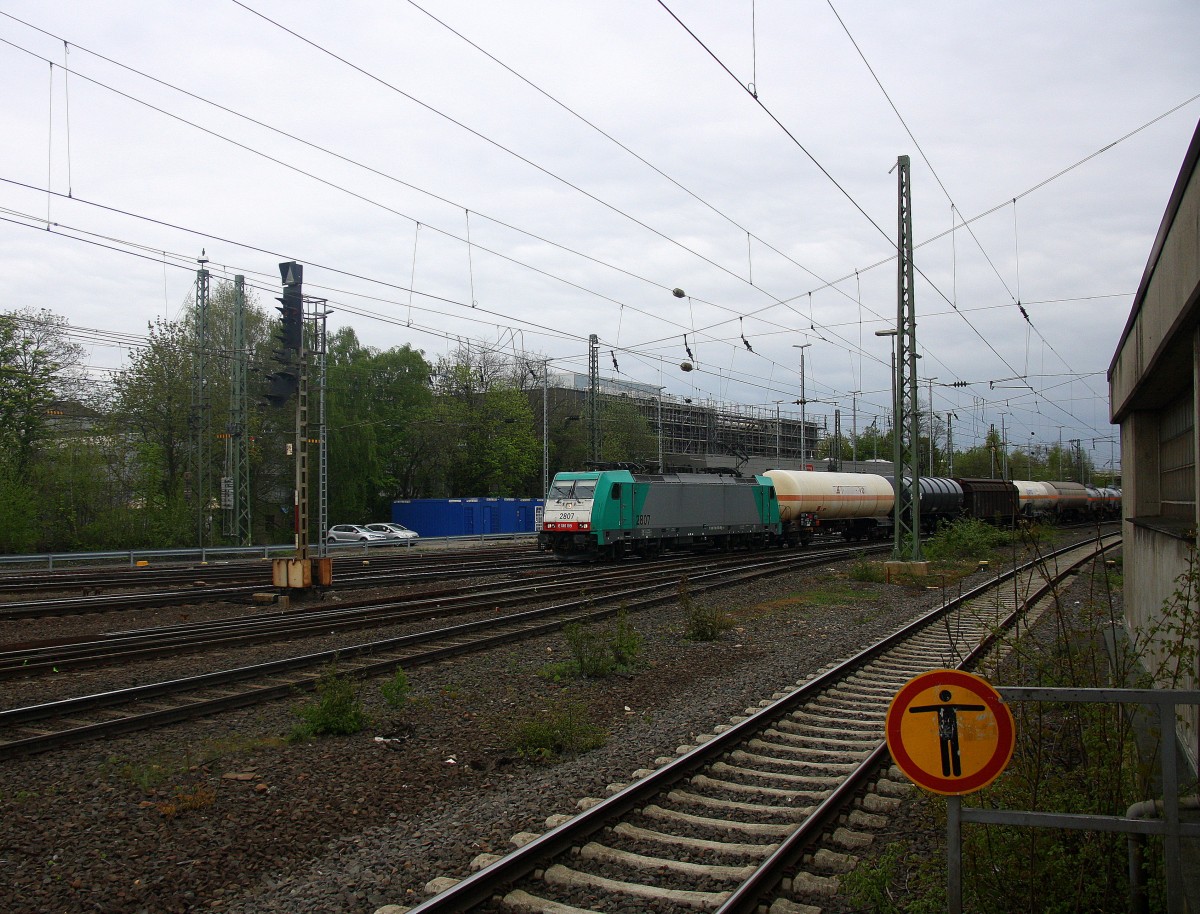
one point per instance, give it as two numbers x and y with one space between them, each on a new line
835 452
235 487
594 398
803 402
200 405
854 426
931 415
545 426
1003 448
950 441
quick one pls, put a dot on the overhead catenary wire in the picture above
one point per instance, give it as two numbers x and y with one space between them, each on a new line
742 334
810 324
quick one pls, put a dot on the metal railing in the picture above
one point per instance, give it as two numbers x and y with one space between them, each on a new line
1170 828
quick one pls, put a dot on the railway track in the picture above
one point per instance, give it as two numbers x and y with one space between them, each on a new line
239 570
69 721
764 813
60 656
198 585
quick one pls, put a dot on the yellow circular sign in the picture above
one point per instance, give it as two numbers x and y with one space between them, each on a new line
950 732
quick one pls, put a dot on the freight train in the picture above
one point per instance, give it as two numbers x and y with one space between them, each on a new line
612 513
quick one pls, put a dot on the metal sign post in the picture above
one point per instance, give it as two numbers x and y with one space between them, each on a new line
952 734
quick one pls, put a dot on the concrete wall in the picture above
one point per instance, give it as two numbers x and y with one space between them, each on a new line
1152 564
1156 363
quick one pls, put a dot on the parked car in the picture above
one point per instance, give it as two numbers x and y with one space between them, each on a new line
354 533
394 531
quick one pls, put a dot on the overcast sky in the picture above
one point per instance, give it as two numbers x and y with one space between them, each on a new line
599 155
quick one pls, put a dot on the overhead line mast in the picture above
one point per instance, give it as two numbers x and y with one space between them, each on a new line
908 411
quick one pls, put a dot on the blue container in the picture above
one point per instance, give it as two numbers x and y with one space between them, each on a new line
467 516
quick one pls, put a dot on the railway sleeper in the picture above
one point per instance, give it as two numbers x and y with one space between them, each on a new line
521 902
726 848
807 723
816 781
567 878
740 755
804 737
734 787
602 853
759 829
787 744
683 797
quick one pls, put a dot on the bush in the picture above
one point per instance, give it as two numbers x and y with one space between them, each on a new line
592 657
966 538
395 690
870 572
705 623
597 652
336 712
556 732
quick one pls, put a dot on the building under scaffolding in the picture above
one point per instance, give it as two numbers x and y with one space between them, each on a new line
697 435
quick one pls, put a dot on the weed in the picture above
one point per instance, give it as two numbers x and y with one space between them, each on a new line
337 711
396 690
625 642
869 572
870 885
597 652
562 671
199 797
555 732
705 623
587 646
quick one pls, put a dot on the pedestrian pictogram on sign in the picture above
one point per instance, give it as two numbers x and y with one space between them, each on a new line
950 732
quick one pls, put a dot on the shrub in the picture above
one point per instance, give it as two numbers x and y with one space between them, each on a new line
870 572
597 652
587 646
555 732
395 690
337 711
625 643
966 538
705 623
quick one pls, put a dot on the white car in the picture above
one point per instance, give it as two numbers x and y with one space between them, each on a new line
394 531
354 533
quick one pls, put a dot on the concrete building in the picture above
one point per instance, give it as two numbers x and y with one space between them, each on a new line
1154 381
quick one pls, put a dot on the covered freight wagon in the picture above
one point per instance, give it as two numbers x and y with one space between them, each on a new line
467 516
991 500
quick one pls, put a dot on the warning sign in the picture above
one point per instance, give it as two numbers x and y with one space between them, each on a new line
950 732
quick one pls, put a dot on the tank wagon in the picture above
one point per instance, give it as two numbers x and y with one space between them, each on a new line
940 500
1070 501
1036 498
611 513
857 505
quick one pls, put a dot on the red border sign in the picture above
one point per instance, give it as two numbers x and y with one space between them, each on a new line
950 732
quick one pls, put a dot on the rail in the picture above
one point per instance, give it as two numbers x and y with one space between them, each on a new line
210 553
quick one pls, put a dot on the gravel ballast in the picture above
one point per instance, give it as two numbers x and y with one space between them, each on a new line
226 814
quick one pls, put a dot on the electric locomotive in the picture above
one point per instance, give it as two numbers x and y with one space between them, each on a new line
610 513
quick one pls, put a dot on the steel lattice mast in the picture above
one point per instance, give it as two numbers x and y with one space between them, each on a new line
200 405
908 411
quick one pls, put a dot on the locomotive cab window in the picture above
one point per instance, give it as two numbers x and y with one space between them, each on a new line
616 491
575 488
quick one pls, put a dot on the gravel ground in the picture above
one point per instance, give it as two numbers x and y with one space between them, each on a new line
226 814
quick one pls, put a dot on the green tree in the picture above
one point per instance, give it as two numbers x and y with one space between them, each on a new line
377 403
38 365
152 406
